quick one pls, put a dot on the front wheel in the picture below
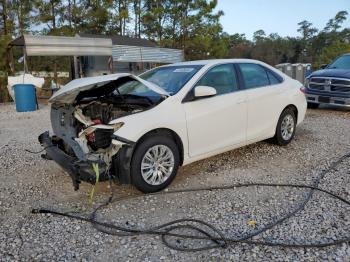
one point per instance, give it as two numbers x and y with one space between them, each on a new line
155 163
285 129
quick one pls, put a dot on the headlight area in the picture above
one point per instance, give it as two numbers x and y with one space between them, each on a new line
82 142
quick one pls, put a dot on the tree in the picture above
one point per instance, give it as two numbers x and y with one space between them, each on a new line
137 9
259 35
49 12
239 46
73 17
155 18
120 17
304 48
96 16
306 29
330 52
335 23
22 12
7 18
7 29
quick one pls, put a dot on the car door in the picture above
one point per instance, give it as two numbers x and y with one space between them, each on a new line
263 88
214 123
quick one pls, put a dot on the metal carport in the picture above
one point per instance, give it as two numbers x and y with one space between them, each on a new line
36 45
119 49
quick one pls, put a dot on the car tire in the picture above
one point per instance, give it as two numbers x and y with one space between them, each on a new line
312 105
285 129
145 163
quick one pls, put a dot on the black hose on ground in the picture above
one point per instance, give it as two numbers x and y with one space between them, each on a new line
205 230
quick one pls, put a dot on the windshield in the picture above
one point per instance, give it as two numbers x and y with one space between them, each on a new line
171 78
342 62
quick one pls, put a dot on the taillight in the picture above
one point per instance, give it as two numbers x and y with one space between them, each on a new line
303 89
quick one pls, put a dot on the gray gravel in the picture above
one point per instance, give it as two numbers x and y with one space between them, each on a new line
28 181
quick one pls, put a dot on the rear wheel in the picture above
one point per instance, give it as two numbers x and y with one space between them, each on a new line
285 129
155 163
312 105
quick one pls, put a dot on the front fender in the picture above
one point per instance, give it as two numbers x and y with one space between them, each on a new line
169 115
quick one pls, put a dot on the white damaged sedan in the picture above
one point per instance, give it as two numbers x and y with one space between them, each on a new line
140 129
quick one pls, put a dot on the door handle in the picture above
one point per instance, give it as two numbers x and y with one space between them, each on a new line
240 101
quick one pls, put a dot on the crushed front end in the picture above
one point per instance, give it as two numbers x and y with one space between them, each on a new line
82 138
84 118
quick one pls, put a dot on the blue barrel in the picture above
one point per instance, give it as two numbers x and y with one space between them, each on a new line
25 97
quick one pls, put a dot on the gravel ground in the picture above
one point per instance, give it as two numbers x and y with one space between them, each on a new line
28 181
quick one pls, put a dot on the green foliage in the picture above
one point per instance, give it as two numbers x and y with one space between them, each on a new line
49 13
4 40
306 29
191 25
328 53
259 35
96 16
335 23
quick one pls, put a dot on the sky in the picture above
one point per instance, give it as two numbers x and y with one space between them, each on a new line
278 16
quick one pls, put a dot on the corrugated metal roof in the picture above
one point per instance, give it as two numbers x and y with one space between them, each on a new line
123 40
64 46
137 50
123 53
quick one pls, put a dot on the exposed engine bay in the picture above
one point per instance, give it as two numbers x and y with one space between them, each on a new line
84 118
85 129
84 133
104 112
99 114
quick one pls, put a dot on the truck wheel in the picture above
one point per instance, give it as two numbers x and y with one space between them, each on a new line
285 129
313 105
155 163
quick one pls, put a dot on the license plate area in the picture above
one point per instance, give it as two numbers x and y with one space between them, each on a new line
323 99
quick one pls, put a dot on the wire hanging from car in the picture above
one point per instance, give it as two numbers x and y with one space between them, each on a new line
38 152
207 231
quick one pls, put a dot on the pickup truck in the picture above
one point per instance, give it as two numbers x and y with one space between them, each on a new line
330 85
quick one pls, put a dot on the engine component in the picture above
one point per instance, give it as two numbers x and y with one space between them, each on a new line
100 138
104 112
97 110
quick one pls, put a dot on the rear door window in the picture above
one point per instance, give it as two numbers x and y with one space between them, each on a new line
274 80
254 75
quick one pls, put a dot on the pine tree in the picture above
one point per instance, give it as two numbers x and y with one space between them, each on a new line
49 13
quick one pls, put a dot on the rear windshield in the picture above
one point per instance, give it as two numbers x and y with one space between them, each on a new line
171 78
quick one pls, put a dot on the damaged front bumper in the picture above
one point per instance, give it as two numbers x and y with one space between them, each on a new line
77 169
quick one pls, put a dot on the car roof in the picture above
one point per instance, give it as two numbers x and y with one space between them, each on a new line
214 61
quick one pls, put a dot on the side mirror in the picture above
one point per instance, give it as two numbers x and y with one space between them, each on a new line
324 66
204 91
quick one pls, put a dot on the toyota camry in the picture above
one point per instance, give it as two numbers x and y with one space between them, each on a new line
139 129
